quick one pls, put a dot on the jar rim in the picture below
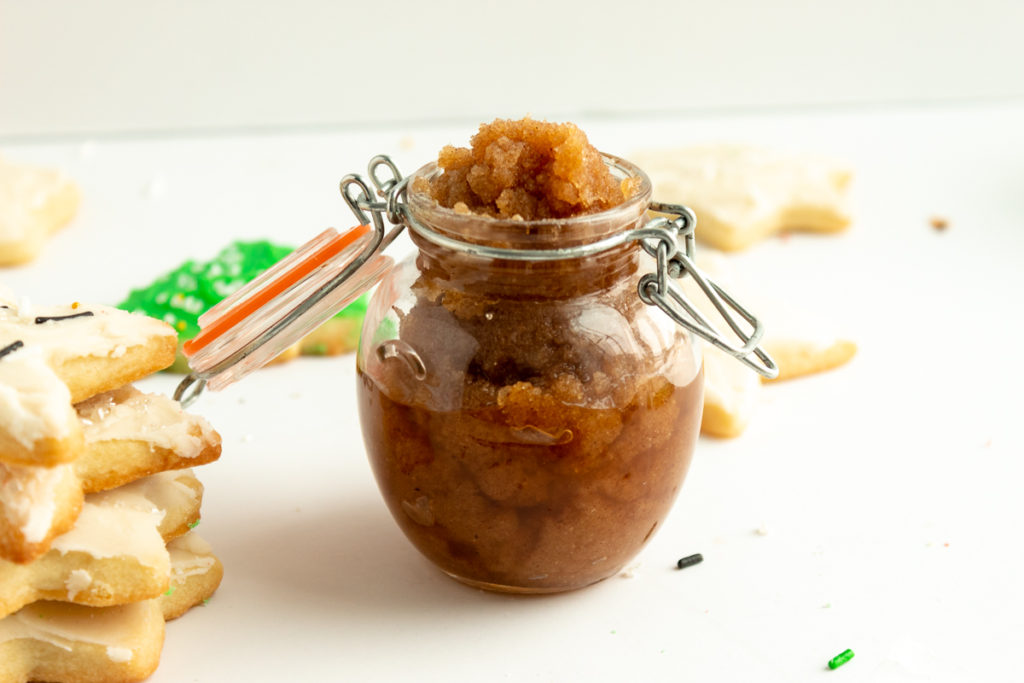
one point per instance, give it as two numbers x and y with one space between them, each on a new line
536 233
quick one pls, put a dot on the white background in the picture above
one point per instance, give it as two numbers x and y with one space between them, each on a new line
890 489
123 65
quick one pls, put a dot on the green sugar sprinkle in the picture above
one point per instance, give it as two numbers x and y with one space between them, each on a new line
840 659
206 601
170 591
193 525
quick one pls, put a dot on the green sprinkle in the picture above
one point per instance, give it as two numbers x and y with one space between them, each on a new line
193 525
206 601
840 659
170 591
318 350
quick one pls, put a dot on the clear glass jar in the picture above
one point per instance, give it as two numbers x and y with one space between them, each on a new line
529 423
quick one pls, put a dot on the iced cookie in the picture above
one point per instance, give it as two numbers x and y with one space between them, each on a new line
37 423
798 355
90 348
731 394
34 203
742 195
195 575
37 504
182 295
128 435
65 643
115 553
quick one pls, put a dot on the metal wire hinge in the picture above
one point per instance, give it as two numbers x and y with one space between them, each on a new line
660 238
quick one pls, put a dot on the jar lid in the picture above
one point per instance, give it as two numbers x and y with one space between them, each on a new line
298 294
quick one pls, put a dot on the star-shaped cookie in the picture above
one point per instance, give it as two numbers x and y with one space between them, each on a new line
743 194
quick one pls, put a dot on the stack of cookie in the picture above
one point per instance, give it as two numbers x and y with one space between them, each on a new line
97 503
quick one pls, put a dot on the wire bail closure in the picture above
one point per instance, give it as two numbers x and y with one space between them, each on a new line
659 289
325 288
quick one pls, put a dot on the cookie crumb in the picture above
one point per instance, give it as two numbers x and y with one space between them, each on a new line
630 571
938 223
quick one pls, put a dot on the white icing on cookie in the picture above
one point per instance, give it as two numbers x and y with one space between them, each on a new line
34 404
78 580
125 520
163 491
119 654
105 532
190 555
64 337
129 414
28 497
63 625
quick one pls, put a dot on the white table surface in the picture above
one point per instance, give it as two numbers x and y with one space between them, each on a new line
889 489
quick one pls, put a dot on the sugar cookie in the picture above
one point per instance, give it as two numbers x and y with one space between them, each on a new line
115 553
742 195
37 423
34 203
800 345
128 435
91 348
731 394
37 504
66 643
195 575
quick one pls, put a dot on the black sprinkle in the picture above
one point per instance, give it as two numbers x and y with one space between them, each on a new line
45 319
689 561
11 348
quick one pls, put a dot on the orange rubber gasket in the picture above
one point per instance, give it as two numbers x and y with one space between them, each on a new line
260 297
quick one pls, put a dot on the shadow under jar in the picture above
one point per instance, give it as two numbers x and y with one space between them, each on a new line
529 422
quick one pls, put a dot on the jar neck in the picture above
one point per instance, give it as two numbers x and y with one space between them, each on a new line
476 275
451 266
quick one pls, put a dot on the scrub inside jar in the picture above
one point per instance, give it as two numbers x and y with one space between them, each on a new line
526 170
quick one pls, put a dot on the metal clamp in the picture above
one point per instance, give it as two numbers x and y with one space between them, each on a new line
659 289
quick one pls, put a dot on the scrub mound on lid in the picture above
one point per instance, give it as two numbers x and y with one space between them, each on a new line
526 170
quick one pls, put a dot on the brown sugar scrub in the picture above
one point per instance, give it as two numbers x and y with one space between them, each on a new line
527 170
529 422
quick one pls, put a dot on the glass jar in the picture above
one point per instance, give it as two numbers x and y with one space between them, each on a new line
529 422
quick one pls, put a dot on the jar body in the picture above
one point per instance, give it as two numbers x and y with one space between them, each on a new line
529 425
